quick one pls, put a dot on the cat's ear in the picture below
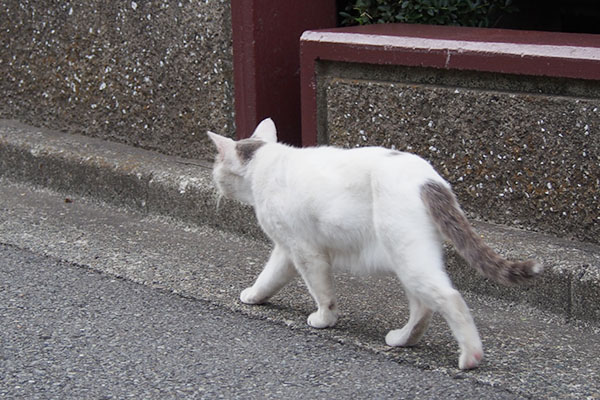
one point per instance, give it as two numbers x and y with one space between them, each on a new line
224 144
266 131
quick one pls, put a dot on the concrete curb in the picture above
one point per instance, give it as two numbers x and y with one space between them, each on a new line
179 188
122 175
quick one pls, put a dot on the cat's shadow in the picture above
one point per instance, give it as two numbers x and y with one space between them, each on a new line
366 317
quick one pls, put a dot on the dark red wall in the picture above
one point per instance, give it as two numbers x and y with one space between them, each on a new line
266 43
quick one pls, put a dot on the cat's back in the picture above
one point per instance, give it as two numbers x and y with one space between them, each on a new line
333 196
336 175
373 162
328 164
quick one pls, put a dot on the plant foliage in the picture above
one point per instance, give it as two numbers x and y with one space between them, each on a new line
480 13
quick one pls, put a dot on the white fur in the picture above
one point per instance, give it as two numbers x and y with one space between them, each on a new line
360 210
266 131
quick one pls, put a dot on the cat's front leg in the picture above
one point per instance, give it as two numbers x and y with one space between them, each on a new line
318 277
323 317
278 271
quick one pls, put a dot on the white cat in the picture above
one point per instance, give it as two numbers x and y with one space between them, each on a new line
365 210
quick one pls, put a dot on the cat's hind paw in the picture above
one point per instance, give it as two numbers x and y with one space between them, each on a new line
470 360
400 338
249 296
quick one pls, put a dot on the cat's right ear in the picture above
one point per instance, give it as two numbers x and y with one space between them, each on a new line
266 131
223 144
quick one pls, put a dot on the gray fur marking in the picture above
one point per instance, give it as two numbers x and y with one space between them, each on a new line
451 221
246 148
395 153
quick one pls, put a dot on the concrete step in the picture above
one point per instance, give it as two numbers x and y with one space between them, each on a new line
529 353
156 184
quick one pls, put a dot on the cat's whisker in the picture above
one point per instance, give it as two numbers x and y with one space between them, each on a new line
218 198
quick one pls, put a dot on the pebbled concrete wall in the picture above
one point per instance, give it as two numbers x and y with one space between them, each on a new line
155 74
522 151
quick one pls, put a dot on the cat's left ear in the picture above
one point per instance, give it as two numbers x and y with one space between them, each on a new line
223 144
266 131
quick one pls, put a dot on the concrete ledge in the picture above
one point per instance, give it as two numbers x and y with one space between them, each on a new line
120 174
159 184
552 54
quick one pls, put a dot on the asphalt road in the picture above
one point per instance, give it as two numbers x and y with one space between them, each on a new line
72 333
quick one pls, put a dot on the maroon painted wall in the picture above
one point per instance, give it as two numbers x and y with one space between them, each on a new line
266 58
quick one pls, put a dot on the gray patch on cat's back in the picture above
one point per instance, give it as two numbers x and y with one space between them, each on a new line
247 147
395 153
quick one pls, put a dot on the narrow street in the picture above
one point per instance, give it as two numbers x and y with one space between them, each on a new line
98 301
72 333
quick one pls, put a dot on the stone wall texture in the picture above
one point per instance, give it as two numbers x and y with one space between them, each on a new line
521 151
155 74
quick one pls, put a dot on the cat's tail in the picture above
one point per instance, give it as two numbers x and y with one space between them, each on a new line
452 223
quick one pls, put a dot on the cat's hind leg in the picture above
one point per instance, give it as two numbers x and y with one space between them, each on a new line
457 314
278 271
424 276
439 295
317 274
415 328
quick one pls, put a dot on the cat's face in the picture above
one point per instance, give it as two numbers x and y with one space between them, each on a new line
230 171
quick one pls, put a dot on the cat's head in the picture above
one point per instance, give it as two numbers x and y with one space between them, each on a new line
233 160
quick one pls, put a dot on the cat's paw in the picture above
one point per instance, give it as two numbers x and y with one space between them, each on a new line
322 319
249 296
400 338
470 359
